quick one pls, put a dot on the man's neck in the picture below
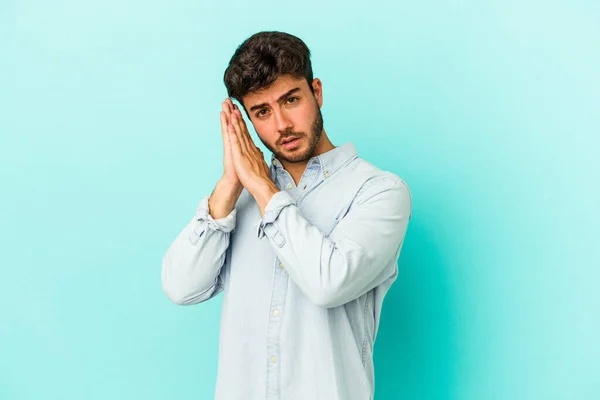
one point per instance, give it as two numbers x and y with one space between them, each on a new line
296 170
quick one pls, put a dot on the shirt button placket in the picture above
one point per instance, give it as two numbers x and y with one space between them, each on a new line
273 333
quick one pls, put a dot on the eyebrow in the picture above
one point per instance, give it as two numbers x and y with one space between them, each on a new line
279 100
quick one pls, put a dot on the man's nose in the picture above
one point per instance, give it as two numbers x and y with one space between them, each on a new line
282 121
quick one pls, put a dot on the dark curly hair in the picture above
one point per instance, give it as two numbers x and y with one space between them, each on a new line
262 58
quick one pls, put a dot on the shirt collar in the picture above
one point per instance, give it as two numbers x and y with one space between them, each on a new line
330 161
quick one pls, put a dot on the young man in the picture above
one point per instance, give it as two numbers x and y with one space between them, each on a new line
304 249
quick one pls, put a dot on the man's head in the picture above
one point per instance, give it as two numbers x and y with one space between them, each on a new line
270 75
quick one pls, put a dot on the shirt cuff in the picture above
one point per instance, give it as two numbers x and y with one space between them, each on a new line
278 202
225 224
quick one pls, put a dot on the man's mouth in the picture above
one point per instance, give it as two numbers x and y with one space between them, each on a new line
290 143
290 139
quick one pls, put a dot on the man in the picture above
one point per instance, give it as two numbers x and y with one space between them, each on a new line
304 249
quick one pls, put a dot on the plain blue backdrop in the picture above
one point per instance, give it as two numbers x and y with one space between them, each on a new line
110 135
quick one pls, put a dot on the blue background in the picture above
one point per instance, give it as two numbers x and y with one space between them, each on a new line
110 135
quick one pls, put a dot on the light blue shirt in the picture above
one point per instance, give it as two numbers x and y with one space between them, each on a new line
304 285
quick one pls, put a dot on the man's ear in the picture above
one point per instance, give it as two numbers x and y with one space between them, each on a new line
317 87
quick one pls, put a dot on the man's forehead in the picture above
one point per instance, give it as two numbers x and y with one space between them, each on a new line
270 94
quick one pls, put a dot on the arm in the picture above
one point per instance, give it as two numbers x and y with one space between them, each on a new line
355 257
359 254
192 265
191 268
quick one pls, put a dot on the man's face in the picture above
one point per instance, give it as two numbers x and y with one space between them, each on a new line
287 117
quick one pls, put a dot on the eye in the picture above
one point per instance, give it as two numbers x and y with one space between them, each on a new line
259 114
292 98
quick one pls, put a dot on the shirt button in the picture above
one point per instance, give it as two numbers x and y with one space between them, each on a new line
273 359
289 186
326 174
281 266
276 312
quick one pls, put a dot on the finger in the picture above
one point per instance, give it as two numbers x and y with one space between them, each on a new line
235 110
239 113
227 109
244 128
240 135
224 130
230 104
234 142
223 123
242 120
246 134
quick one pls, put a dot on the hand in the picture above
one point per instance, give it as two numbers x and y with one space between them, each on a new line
229 174
249 162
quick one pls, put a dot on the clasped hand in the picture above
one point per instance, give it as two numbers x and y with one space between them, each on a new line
246 158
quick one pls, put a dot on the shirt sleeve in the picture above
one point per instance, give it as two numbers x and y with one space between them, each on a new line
191 267
360 253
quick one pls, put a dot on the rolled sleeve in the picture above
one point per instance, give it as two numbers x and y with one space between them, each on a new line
205 220
278 202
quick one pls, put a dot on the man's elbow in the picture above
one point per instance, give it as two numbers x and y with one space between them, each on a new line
328 298
186 297
174 292
176 296
180 290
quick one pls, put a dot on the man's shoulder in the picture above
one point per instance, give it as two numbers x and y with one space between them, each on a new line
365 171
375 181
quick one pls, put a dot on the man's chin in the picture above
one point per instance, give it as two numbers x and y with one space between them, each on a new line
293 156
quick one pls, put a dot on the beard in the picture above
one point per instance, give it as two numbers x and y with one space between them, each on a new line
316 130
